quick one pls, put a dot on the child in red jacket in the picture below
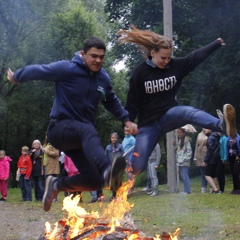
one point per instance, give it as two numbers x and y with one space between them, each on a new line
4 174
25 167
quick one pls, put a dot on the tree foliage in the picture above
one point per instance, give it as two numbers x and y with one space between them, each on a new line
51 31
24 40
70 29
195 24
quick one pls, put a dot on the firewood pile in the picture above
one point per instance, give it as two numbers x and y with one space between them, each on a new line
114 223
100 229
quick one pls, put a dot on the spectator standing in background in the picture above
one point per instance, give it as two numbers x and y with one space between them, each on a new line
153 163
4 174
25 168
148 187
199 154
70 170
184 155
128 143
70 167
113 150
222 163
233 152
50 160
212 159
36 155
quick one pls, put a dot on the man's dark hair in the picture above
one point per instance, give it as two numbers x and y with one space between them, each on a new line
93 42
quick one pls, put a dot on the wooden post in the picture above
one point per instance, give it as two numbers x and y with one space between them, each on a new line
171 136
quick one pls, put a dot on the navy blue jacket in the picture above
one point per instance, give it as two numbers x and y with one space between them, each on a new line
114 151
78 91
37 158
238 143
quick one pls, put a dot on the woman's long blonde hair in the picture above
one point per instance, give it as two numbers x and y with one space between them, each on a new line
145 40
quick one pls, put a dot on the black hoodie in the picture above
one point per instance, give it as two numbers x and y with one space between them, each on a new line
152 91
213 149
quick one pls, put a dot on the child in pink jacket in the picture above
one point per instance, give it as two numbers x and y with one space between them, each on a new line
71 170
4 174
70 167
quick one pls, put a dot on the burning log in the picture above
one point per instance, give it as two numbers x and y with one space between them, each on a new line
91 233
115 223
102 232
100 227
115 235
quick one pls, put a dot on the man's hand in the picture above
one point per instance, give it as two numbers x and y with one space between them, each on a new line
131 128
222 41
10 77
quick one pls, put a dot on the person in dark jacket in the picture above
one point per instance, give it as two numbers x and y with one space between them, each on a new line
221 165
80 85
36 154
212 159
233 156
152 93
199 154
112 150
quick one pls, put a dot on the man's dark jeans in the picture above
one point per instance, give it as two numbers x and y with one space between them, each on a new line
81 143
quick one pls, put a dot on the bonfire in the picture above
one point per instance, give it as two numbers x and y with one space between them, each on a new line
114 223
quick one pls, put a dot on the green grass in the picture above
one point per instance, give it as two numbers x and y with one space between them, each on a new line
199 216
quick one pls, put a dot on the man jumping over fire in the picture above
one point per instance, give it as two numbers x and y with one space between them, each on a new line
80 84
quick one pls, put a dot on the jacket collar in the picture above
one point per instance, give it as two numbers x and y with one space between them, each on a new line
153 65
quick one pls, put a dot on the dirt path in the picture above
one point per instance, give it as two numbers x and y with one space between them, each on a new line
23 221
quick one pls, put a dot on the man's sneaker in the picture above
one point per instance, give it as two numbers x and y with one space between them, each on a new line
116 174
229 121
49 193
146 189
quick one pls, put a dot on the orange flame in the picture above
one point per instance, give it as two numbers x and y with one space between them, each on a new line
76 217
